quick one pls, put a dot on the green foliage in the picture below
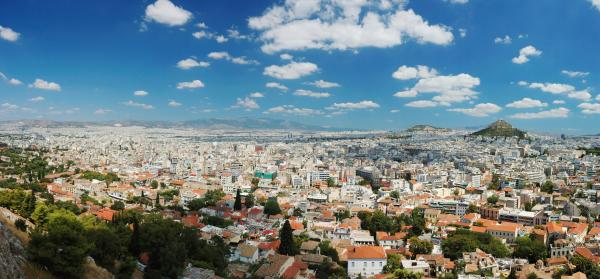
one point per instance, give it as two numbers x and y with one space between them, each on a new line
85 198
118 205
394 261
329 270
62 250
21 225
527 248
328 251
169 194
287 246
586 266
418 246
532 275
405 274
395 195
493 199
272 207
108 177
154 184
237 205
330 182
548 187
105 246
467 241
196 204
249 200
216 221
341 215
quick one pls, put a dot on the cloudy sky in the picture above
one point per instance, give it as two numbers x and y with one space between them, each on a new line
379 64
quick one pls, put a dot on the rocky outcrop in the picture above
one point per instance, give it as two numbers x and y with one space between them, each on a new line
12 255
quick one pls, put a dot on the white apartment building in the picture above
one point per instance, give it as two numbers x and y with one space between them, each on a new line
366 261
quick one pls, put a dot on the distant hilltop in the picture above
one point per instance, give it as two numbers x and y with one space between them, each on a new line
426 128
500 128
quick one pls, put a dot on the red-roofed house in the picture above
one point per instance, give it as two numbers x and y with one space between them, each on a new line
366 261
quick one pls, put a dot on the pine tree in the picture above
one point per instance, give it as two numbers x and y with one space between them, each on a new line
157 201
287 240
237 206
134 244
31 203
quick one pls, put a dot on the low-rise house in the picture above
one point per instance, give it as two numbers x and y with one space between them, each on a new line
248 253
416 266
365 261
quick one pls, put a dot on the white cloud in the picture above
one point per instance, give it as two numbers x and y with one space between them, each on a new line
560 88
596 3
286 56
589 108
131 103
480 110
174 104
503 40
165 12
308 93
525 53
242 60
8 34
406 72
101 111
37 99
574 74
201 34
462 32
45 85
190 84
527 103
293 70
598 97
342 25
289 109
450 89
458 1
276 85
256 95
189 63
553 113
221 39
366 104
247 103
422 104
406 94
14 81
394 111
140 93
9 106
558 102
201 25
324 84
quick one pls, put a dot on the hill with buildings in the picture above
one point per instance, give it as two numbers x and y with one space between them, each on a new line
500 128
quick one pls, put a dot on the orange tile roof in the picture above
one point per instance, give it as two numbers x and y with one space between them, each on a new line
478 229
366 252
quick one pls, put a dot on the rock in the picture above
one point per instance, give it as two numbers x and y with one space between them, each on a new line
12 255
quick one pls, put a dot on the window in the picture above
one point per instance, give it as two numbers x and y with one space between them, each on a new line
352 264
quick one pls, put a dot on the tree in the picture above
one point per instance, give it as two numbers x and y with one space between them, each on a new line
106 247
493 199
272 207
118 205
154 184
341 215
532 275
527 248
547 187
196 204
329 270
586 266
329 251
237 206
394 261
286 247
405 274
462 240
21 225
395 195
62 250
512 274
418 246
249 200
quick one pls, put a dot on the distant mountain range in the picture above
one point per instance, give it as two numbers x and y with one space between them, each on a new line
500 128
426 128
209 123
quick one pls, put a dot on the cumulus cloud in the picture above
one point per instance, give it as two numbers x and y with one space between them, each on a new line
101 111
553 113
190 63
366 104
140 93
559 88
174 104
289 109
242 60
406 72
422 104
286 56
406 94
37 99
165 12
506 40
276 85
558 102
525 53
574 74
9 106
449 89
256 95
479 110
9 34
247 103
342 25
312 94
596 3
589 108
527 103
458 1
324 84
131 103
45 85
14 81
190 84
293 70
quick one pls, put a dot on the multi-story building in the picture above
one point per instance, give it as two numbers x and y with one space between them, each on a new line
366 261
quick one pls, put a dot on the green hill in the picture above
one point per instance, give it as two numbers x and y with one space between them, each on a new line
500 128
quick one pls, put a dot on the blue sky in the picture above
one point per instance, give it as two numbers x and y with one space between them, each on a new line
380 64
